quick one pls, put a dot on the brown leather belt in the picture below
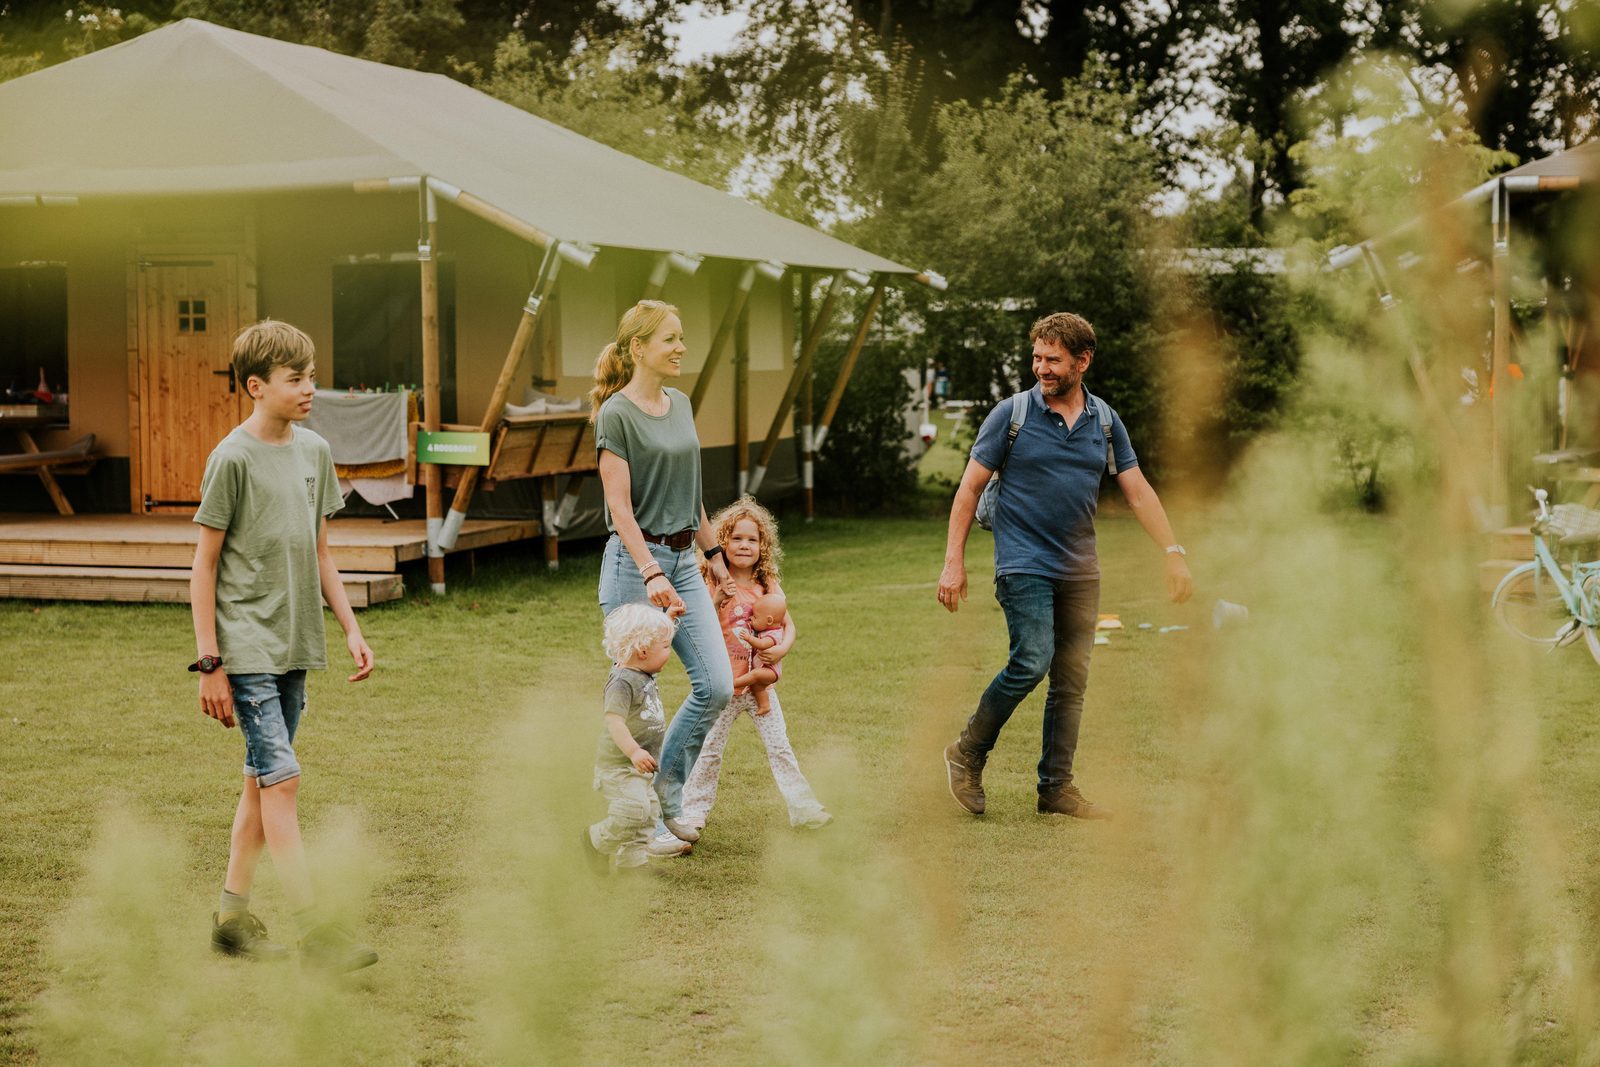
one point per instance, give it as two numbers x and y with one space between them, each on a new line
675 541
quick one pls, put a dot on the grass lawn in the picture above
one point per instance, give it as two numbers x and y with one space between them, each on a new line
1361 827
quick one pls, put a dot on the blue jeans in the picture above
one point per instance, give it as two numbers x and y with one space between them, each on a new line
698 643
268 708
1051 623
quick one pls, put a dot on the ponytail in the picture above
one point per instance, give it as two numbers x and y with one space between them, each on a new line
611 372
614 368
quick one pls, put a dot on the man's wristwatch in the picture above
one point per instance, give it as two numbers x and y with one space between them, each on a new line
205 664
1175 550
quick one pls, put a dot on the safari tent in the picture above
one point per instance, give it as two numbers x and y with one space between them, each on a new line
1523 233
159 194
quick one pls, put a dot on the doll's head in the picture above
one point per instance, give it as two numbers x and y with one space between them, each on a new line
768 612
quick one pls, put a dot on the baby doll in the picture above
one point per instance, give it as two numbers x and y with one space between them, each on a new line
762 629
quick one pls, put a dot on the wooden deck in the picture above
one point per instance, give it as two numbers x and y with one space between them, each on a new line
147 557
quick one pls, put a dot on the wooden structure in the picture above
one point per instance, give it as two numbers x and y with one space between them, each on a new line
147 557
74 458
170 241
1523 190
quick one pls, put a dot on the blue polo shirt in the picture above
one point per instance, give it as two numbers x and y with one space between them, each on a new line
1044 517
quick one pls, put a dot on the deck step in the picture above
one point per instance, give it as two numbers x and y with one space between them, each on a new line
365 546
169 585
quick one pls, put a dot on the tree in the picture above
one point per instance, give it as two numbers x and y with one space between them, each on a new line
1524 73
1039 204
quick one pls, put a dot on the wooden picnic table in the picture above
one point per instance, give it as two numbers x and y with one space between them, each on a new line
21 422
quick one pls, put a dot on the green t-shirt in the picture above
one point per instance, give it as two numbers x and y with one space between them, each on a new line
633 695
271 500
663 457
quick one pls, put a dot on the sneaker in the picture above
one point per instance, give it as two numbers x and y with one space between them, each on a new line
332 948
1069 801
599 862
966 778
663 845
245 936
682 830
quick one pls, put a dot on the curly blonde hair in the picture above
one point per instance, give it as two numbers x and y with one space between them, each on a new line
632 628
770 558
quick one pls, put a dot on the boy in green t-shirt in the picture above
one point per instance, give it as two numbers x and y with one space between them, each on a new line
261 572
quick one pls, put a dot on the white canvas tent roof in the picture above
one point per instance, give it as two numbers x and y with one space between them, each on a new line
194 108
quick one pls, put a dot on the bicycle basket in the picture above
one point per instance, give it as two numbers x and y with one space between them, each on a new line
1573 524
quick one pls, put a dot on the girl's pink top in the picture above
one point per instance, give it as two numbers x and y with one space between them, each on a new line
737 611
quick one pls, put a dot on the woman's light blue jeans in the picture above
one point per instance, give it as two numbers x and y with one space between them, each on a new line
697 642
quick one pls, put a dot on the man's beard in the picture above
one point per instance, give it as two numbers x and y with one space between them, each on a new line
1063 385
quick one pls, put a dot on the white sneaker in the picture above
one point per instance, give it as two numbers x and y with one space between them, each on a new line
663 845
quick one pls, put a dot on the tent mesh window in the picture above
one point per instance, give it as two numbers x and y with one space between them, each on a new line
33 336
377 328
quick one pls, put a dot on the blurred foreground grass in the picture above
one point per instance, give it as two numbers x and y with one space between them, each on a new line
1361 827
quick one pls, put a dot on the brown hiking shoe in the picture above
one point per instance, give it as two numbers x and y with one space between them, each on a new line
966 778
1068 801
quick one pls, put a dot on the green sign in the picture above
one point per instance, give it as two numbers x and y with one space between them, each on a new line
450 446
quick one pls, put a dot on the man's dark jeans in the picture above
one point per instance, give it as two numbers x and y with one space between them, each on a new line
1052 633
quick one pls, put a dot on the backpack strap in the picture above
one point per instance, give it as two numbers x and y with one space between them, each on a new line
1103 410
1019 415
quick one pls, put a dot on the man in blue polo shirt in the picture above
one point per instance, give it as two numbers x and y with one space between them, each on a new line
1047 577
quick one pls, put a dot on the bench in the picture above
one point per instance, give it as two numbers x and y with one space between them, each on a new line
76 458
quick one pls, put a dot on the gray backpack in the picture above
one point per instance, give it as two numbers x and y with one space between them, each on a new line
990 498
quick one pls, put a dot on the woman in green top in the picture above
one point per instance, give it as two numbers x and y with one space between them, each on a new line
650 468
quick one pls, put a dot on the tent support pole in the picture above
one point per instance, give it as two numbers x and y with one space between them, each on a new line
741 400
802 366
658 277
433 487
725 330
1499 379
848 367
520 343
808 404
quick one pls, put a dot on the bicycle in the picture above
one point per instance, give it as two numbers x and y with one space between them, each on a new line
1541 603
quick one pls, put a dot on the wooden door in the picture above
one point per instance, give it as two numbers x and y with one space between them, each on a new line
188 315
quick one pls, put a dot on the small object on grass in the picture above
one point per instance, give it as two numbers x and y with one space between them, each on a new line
1227 613
1108 622
1171 629
1101 639
1146 626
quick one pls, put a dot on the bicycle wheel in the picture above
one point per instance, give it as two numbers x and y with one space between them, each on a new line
1529 604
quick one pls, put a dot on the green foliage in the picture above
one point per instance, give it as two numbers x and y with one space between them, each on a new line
407 33
1039 204
865 464
1385 159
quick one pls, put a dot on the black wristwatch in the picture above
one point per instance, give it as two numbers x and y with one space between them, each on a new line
712 553
205 664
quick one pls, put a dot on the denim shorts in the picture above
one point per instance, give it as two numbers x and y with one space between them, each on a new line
268 707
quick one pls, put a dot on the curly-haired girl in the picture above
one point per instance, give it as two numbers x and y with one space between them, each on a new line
748 536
